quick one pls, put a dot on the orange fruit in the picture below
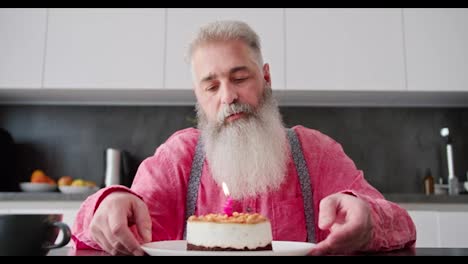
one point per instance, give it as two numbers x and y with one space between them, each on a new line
65 180
39 176
50 180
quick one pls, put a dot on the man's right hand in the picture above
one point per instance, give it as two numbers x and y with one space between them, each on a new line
110 226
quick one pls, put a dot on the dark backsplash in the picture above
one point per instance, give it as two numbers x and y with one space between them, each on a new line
393 146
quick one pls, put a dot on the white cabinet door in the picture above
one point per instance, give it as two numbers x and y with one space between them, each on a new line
183 23
437 49
454 229
22 41
105 48
427 228
344 49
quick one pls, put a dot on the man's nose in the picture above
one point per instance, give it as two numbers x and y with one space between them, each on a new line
229 94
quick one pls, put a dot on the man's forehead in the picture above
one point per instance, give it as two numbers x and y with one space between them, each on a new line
217 58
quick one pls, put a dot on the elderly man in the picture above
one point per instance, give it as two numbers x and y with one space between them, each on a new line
299 178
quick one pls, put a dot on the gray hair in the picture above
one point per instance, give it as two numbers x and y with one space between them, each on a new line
227 30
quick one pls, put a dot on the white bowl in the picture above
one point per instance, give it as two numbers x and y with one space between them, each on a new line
77 189
37 187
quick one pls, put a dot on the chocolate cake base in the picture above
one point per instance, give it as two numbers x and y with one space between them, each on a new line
202 248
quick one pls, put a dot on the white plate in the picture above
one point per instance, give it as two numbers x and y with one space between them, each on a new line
77 189
37 187
179 248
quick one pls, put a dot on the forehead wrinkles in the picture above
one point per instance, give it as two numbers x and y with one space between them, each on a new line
212 58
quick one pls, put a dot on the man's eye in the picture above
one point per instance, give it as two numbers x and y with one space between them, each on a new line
239 80
211 88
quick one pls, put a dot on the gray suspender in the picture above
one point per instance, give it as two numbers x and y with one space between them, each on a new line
304 179
301 168
194 182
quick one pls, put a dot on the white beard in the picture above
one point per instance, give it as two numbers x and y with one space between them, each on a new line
250 154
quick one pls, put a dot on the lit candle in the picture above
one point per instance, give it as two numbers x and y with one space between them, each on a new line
228 205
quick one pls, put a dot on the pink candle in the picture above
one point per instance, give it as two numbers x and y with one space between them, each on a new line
227 209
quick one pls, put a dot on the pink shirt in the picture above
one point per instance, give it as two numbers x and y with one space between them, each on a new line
161 181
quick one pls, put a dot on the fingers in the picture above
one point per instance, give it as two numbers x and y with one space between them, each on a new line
103 241
99 238
327 212
121 237
321 248
335 243
112 237
110 228
98 235
347 219
143 221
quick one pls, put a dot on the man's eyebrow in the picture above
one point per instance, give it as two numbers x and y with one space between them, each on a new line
208 78
212 76
239 68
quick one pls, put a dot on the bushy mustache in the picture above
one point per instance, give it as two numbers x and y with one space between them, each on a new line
235 108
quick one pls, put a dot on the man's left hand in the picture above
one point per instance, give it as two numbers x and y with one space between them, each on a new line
348 219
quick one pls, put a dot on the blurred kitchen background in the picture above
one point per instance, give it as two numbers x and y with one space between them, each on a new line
393 146
382 82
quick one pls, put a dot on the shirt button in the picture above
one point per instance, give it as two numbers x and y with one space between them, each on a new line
249 209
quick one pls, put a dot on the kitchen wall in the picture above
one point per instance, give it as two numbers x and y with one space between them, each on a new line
393 146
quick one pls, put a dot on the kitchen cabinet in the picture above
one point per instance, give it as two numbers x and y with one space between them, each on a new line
436 43
344 49
105 48
22 42
183 23
318 57
440 225
453 229
427 228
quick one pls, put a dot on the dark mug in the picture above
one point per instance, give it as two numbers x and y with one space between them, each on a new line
31 234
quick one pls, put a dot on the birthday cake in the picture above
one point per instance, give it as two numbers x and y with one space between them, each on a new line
220 232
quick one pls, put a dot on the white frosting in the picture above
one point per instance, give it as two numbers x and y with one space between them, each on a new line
234 235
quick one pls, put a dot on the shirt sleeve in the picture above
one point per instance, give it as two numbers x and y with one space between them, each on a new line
332 171
393 228
160 182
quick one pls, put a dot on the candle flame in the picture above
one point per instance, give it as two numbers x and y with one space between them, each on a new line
225 189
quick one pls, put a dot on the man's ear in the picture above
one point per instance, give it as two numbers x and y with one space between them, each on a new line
266 73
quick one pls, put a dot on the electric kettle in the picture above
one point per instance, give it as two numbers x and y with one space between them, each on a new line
118 168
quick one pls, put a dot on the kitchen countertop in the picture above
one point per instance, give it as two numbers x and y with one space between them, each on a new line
42 196
394 197
422 198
